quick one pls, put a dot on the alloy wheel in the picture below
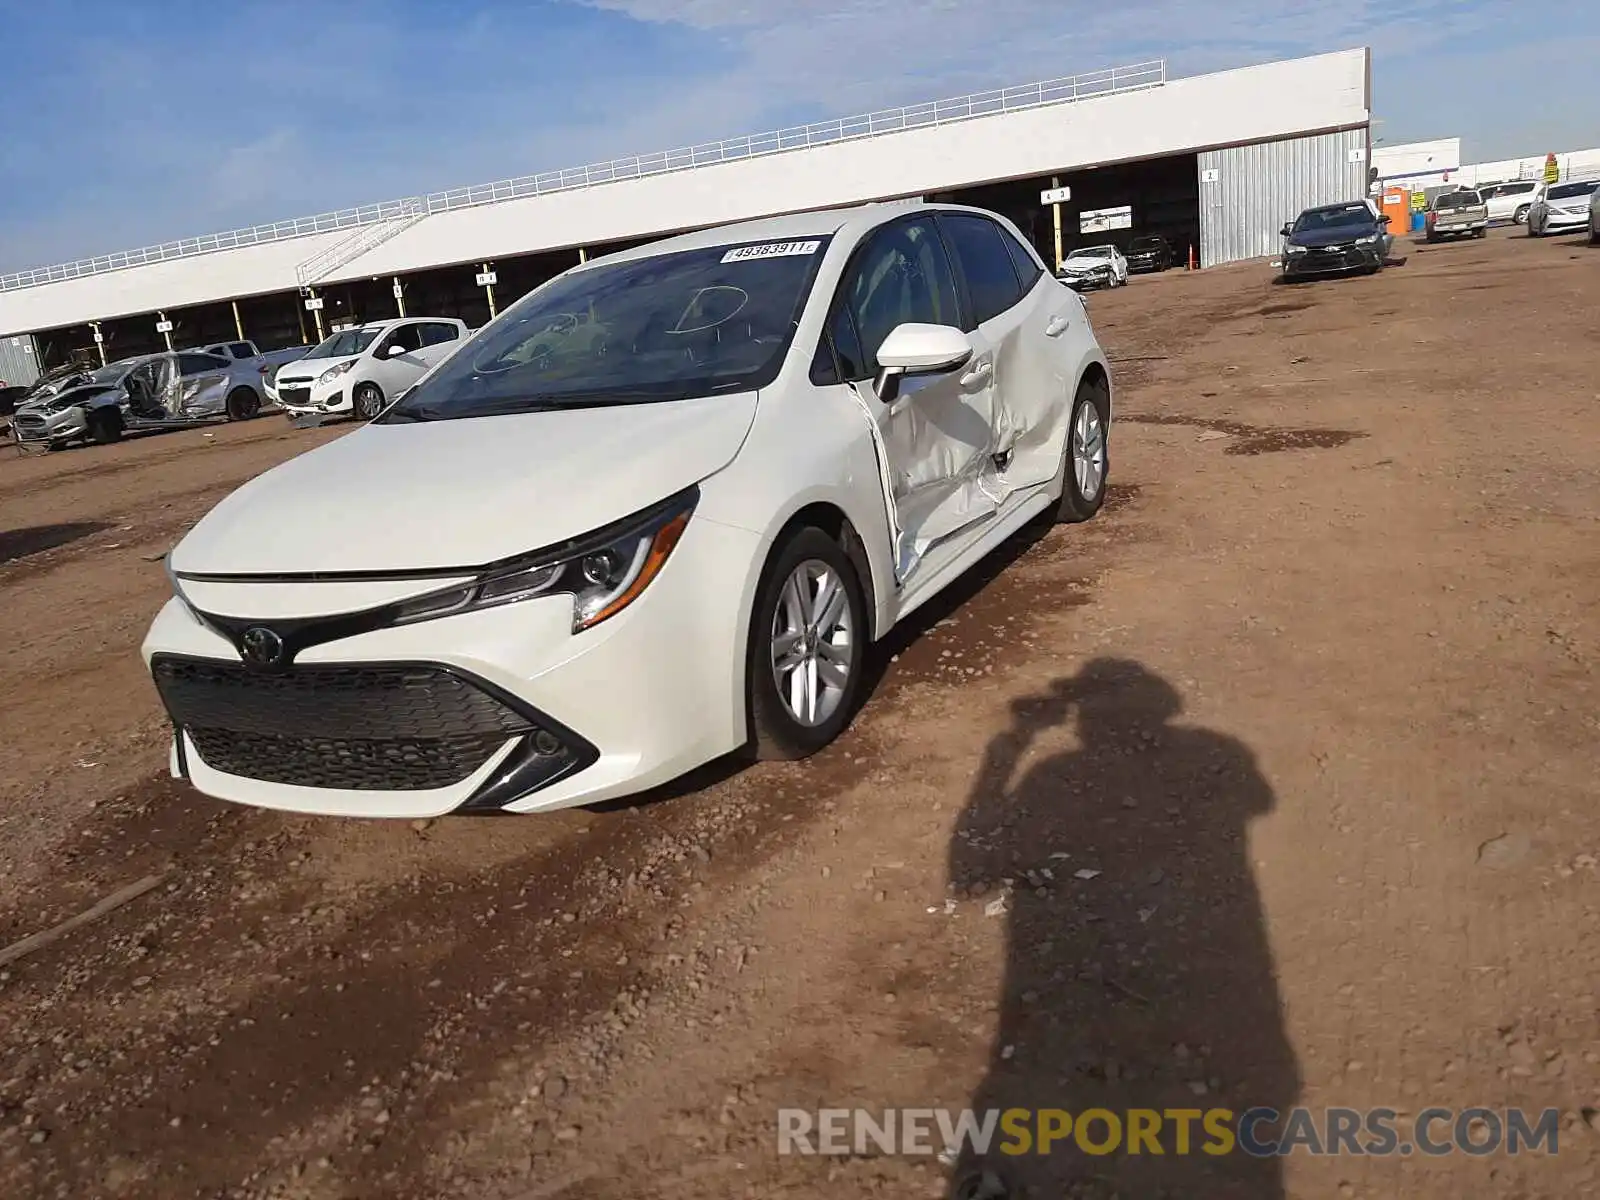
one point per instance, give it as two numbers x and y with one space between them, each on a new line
813 646
1088 450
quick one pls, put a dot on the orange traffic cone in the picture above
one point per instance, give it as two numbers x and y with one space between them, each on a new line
1193 266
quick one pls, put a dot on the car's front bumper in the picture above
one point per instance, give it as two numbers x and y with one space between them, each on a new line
1564 221
300 400
1459 228
62 426
639 700
1142 265
1331 261
1087 280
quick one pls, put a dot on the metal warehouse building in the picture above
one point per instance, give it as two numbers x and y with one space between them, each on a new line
1216 163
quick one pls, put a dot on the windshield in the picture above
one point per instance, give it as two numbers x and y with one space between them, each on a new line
1332 218
345 343
1092 252
1146 243
1566 191
666 327
1456 200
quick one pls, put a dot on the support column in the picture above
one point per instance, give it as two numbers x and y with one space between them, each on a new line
99 341
400 295
313 304
238 321
1055 182
166 329
487 275
583 255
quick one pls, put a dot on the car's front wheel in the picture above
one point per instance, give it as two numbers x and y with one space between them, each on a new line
368 401
1088 454
105 426
807 647
1521 215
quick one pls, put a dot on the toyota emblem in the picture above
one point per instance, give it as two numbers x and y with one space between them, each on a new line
261 647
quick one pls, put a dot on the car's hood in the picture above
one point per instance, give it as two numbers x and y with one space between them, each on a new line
305 370
1083 266
440 494
1340 236
66 398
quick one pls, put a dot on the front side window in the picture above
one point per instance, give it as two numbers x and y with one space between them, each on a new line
992 283
902 276
664 327
409 337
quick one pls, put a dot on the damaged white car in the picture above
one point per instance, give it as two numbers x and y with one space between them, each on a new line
654 513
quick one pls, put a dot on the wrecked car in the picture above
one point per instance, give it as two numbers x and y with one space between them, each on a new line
604 560
148 393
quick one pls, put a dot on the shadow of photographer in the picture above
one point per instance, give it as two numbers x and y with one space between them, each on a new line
1138 972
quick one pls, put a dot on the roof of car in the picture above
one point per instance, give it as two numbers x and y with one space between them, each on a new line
817 223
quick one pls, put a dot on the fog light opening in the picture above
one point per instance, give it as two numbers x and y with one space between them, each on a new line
546 743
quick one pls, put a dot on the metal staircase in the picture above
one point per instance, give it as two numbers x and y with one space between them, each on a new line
365 237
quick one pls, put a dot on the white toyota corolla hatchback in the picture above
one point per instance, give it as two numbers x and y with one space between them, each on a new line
656 512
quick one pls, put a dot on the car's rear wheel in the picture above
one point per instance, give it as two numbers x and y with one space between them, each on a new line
243 404
368 401
1088 454
807 648
105 426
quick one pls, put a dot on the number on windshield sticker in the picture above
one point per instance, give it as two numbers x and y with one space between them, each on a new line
770 250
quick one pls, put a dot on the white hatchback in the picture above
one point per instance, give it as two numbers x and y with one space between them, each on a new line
359 371
654 513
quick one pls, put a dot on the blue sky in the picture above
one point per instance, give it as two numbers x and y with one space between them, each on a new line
129 123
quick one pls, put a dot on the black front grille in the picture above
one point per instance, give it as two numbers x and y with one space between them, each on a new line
362 728
294 395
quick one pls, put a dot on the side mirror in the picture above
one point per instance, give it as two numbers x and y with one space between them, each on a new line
919 349
1284 232
394 351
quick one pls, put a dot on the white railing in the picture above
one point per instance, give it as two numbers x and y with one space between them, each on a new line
366 237
1065 90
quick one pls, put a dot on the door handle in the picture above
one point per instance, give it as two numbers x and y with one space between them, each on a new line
1058 325
977 375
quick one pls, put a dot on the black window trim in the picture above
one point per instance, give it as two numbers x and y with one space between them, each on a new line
968 309
850 264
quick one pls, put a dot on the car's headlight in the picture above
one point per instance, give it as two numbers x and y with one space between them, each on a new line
603 573
1293 249
333 373
1372 239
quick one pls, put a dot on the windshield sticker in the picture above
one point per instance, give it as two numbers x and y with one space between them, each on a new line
770 250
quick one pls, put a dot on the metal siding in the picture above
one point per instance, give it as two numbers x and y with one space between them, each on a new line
19 360
1260 187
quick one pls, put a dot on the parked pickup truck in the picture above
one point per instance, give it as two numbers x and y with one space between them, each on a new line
1457 214
151 392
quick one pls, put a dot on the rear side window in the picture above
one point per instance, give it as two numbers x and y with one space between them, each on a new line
199 364
242 350
436 332
984 262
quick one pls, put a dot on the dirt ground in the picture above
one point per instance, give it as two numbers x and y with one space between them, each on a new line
1311 706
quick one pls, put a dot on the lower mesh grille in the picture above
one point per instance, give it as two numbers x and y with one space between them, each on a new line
362 728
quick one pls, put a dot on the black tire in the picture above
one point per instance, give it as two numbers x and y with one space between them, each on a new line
105 426
1433 238
244 404
1520 217
775 734
1073 507
367 401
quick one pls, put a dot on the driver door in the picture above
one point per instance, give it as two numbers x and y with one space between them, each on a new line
395 373
938 432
